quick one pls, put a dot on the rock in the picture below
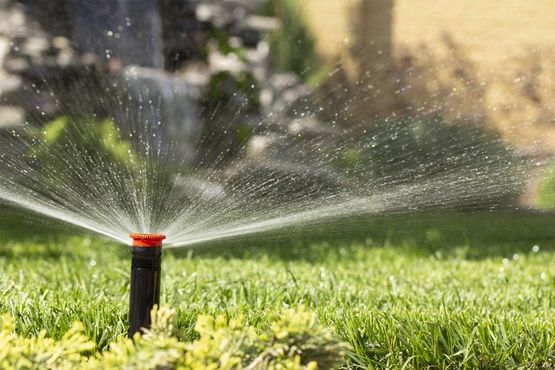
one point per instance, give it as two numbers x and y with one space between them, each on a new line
61 43
310 127
9 83
213 13
198 74
259 144
219 62
250 5
16 65
253 28
284 89
168 102
86 58
4 48
125 29
258 60
283 81
12 18
11 117
261 24
184 36
35 46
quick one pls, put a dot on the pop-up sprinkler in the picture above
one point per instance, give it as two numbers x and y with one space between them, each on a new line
146 251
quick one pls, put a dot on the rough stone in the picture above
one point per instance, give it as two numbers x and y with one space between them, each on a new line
16 65
259 144
127 30
157 54
310 127
283 90
35 46
11 117
176 115
9 84
261 24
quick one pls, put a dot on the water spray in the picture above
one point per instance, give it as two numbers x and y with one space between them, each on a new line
146 252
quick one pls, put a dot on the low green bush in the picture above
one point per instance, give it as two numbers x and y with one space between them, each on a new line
293 45
93 137
67 150
292 340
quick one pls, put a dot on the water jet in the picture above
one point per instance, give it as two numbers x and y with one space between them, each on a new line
146 252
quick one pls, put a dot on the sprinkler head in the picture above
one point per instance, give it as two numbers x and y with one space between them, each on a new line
147 240
146 252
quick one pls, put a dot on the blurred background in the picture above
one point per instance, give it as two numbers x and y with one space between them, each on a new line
221 74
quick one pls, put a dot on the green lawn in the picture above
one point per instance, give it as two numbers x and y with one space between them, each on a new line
437 290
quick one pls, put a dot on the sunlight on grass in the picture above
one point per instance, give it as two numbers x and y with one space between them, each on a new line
437 290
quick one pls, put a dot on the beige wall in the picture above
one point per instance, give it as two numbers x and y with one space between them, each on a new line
329 20
341 26
508 43
490 30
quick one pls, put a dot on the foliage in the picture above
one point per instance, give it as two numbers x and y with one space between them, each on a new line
546 196
223 85
431 290
226 98
90 135
67 152
295 341
296 338
293 46
95 144
41 352
224 46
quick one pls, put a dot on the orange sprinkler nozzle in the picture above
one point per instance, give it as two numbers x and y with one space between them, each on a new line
147 240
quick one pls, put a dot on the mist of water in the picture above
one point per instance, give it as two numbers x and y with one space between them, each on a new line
117 179
140 162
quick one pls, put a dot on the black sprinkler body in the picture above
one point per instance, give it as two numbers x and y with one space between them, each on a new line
146 253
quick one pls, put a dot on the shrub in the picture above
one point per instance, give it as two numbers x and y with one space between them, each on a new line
69 151
65 150
292 340
293 46
95 137
228 101
17 352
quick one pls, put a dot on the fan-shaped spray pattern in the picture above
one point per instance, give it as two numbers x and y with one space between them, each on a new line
122 175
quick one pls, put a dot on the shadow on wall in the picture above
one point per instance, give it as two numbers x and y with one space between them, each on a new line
378 76
360 79
409 81
376 82
372 55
